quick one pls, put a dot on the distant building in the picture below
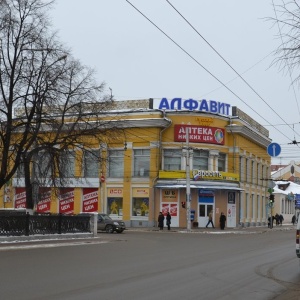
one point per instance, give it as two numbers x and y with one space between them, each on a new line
287 186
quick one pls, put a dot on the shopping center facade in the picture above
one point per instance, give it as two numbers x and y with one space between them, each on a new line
207 149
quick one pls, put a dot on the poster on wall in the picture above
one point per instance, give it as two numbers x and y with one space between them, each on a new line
164 208
173 210
66 201
20 198
90 200
231 210
45 200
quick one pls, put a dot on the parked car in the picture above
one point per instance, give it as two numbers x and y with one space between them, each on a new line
298 237
106 223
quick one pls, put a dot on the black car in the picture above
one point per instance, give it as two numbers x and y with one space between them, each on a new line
106 223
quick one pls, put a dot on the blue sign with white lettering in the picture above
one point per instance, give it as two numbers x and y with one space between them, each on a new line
210 106
297 201
274 149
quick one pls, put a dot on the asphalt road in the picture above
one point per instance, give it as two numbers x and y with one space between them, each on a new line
155 265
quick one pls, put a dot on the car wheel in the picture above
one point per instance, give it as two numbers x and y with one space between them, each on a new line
109 229
119 231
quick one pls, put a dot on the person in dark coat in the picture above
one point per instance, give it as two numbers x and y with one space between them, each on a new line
161 219
293 219
168 217
222 221
281 219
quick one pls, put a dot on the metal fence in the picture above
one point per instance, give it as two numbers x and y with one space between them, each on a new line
25 224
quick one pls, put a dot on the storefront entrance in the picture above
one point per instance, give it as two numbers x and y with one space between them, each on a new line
204 210
206 205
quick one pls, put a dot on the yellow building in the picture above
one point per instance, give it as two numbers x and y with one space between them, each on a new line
220 165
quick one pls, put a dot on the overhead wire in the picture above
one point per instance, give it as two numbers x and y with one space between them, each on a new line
202 66
284 54
228 64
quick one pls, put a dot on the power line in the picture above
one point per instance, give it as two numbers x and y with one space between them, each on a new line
197 62
228 64
284 53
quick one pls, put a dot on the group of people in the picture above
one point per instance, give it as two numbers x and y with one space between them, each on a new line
222 220
161 219
277 218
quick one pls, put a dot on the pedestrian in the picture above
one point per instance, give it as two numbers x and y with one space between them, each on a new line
281 219
222 221
161 219
168 217
277 219
293 219
210 219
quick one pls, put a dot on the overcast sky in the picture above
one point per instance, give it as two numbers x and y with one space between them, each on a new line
138 61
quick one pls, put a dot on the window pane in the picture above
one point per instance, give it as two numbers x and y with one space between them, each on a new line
222 162
115 206
200 159
91 164
43 166
140 207
141 162
67 164
172 159
116 163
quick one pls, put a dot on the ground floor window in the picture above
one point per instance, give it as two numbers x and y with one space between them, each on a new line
115 206
140 207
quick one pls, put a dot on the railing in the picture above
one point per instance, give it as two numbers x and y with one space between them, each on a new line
26 224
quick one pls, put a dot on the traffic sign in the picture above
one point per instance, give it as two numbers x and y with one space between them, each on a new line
274 149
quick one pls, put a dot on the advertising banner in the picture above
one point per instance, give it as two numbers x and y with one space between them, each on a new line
66 201
43 205
20 198
90 200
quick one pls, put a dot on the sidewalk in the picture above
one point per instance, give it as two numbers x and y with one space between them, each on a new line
68 239
217 230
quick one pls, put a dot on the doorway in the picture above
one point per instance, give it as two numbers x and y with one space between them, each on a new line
204 210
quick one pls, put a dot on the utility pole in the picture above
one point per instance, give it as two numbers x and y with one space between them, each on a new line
188 182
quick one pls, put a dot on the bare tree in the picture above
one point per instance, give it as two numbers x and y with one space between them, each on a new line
49 102
287 20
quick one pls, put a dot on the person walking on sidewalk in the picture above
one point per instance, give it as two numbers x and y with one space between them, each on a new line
222 221
210 219
161 219
168 217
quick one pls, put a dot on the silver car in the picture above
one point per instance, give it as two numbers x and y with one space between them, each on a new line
106 223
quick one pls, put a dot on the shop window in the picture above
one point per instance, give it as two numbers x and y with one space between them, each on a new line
116 163
172 159
200 159
140 207
91 163
141 162
222 162
115 206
